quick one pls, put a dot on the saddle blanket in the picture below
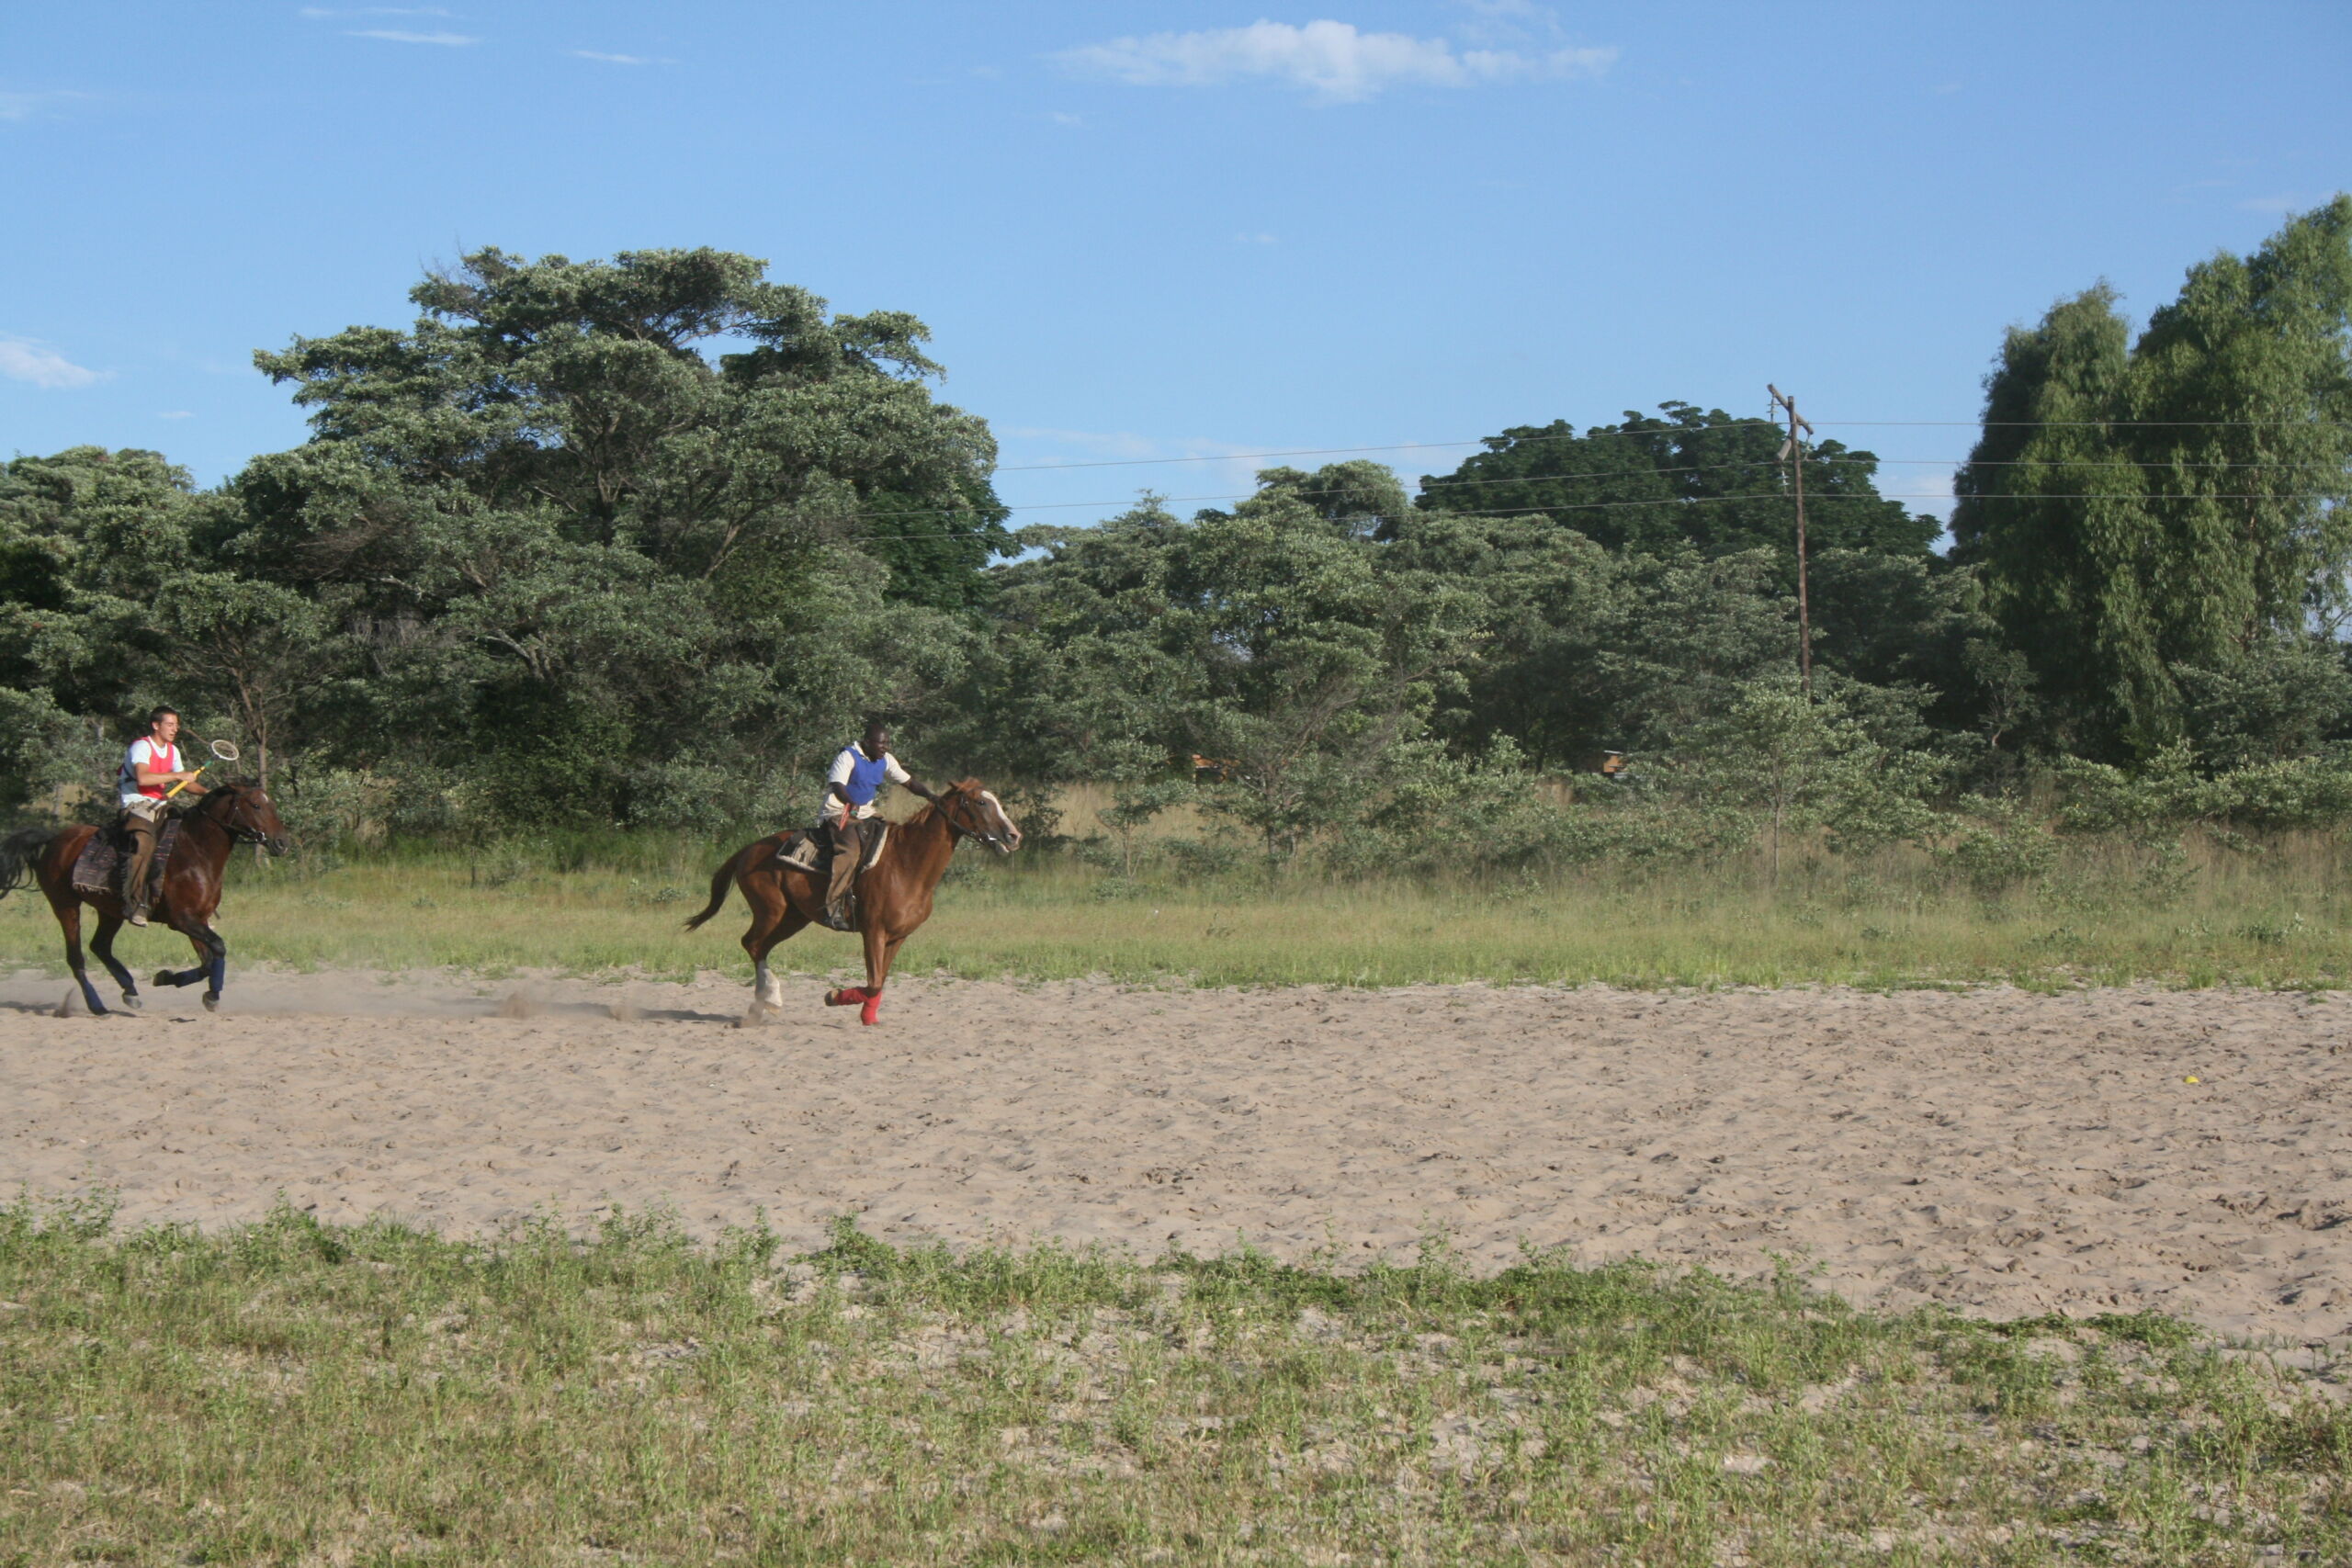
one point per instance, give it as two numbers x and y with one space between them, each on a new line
94 868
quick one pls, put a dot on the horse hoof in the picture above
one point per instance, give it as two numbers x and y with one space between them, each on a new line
163 977
132 1000
212 1001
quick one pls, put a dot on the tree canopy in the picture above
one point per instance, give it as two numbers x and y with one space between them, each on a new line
2145 508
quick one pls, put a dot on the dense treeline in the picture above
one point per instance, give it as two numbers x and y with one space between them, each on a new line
636 542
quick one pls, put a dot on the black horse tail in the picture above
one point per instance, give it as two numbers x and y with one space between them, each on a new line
721 881
18 851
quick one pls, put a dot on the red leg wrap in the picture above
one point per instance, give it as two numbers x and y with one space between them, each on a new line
872 1006
848 996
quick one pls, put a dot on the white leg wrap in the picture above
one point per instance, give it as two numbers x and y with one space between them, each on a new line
769 988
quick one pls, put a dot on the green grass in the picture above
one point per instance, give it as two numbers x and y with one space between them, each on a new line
291 1394
2107 914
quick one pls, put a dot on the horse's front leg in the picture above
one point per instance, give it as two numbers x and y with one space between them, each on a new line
867 998
211 964
102 945
881 945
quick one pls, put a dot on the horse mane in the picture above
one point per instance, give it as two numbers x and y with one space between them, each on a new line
931 808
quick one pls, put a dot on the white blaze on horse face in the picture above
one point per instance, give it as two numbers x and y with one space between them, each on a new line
996 810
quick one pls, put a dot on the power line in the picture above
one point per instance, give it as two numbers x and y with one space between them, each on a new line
1620 505
1631 476
1697 429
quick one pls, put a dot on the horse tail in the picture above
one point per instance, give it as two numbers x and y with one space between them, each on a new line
17 852
721 881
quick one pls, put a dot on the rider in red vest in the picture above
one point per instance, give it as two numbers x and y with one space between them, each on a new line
150 768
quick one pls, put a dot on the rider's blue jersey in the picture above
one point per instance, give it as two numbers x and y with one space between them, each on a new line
865 774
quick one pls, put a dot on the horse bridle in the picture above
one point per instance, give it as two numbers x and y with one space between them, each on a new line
960 798
237 831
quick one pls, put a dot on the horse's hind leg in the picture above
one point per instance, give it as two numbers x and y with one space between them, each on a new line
102 945
770 989
69 919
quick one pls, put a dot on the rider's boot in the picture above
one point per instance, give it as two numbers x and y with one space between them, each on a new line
134 914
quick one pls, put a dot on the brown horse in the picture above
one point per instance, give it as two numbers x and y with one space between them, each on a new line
893 894
231 815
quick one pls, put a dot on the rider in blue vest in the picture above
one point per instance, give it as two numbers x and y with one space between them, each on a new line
856 777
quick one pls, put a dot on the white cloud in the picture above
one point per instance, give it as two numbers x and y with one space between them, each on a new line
176 413
23 361
1248 239
24 106
320 12
1922 484
622 59
2279 204
1331 60
1060 119
453 41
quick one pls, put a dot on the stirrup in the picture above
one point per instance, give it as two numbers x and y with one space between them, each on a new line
838 918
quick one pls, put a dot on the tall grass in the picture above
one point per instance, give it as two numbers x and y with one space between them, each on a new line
292 1393
2104 912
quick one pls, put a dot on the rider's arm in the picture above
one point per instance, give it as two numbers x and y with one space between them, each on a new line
897 773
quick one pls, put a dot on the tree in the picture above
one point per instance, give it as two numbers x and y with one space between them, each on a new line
1698 480
564 549
2059 523
1279 633
255 650
1796 762
1142 787
86 539
580 386
2138 509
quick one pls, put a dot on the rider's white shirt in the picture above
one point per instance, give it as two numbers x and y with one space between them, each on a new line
840 775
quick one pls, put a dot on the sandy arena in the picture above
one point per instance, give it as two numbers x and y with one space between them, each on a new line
2001 1152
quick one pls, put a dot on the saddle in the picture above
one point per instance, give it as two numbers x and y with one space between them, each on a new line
97 869
812 849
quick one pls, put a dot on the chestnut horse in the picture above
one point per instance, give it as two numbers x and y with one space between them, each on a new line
231 815
893 894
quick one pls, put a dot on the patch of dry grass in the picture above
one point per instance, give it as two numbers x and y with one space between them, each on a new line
2103 914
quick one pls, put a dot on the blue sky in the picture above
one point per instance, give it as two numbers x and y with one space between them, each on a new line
1163 231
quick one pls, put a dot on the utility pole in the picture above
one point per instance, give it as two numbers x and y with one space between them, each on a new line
1792 453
